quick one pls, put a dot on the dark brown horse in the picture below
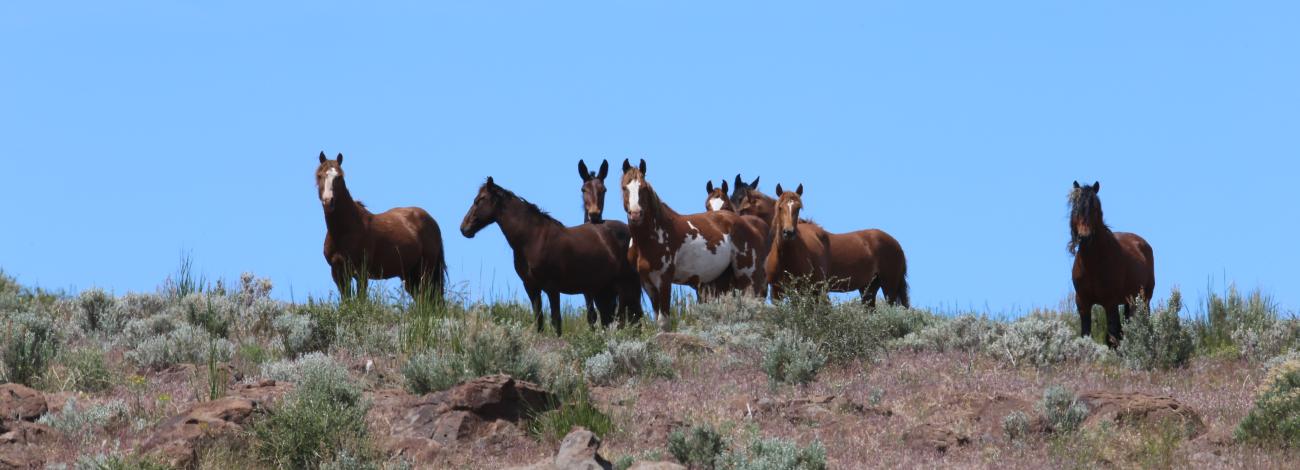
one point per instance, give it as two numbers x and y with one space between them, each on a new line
587 259
1111 269
593 205
748 200
866 261
695 250
403 242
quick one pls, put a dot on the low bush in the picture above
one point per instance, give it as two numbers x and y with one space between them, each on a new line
1062 408
1156 340
83 422
86 370
186 344
300 334
1275 418
965 333
1015 425
30 345
294 370
320 420
486 349
627 358
99 312
1045 340
700 446
776 454
791 359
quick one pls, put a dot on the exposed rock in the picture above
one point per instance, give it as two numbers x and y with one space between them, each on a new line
177 439
935 437
19 458
24 433
1138 409
262 393
21 403
682 343
484 412
578 451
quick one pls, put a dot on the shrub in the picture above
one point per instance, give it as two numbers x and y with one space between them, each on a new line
965 333
142 305
1248 322
848 331
30 343
700 446
185 345
487 349
555 424
138 330
211 311
87 370
294 370
117 461
1062 408
1275 419
1044 340
1015 425
1267 340
777 454
1156 340
789 359
82 422
300 334
322 418
98 311
627 358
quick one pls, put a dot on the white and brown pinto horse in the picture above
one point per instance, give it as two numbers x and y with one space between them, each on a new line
699 250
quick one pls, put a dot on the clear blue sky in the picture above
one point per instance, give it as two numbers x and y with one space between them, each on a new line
130 131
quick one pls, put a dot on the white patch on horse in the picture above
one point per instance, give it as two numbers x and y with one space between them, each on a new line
716 203
753 265
657 276
634 196
696 259
328 193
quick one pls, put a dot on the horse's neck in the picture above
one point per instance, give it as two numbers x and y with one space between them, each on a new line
521 226
348 219
661 217
1102 246
766 209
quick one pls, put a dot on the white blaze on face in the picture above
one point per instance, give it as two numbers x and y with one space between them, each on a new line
634 196
328 193
716 203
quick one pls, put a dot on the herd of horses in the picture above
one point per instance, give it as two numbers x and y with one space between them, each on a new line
744 242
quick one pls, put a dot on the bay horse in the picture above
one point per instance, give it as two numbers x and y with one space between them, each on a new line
747 200
1110 268
865 261
717 199
699 250
549 257
593 205
404 242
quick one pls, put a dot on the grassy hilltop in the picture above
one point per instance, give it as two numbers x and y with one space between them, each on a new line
737 384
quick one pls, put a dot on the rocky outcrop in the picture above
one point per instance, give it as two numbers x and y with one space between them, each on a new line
579 451
178 439
22 441
20 403
484 413
1139 410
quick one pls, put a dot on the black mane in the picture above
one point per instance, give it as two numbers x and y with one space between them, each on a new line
507 194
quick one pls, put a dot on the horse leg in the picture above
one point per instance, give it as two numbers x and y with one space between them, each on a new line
1085 316
591 309
660 301
1114 332
554 298
341 280
535 298
869 293
607 304
629 302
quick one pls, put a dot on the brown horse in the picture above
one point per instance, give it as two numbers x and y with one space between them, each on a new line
403 242
747 200
866 261
1110 268
718 199
696 250
593 204
587 259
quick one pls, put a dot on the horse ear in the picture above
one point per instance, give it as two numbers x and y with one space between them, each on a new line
626 166
799 190
724 187
754 185
1096 187
779 192
642 167
708 188
322 156
1076 185
582 171
604 169
339 159
739 182
490 183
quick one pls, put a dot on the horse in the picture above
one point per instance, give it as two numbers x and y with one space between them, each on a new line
550 258
698 250
747 200
717 199
1110 268
404 242
593 204
865 261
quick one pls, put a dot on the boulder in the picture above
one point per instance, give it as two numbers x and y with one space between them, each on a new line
20 403
1126 409
578 451
177 439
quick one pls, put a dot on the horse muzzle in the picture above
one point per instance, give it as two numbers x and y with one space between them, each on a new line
595 217
634 218
787 235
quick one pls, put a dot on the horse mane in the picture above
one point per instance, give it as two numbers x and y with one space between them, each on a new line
529 207
1083 203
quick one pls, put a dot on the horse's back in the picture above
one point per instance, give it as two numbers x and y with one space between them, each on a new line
1143 264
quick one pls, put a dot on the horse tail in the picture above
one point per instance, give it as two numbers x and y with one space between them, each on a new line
904 290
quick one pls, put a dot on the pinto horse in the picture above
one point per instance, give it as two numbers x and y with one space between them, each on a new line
1110 268
587 259
866 261
699 250
593 204
404 242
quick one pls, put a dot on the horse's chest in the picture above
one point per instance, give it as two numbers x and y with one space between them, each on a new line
698 259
